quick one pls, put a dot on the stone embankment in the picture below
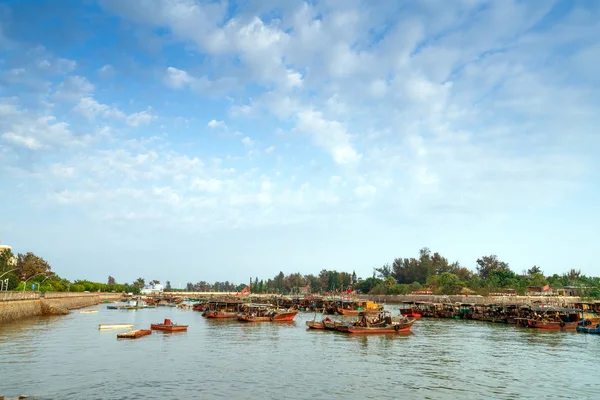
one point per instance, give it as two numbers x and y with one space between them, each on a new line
17 305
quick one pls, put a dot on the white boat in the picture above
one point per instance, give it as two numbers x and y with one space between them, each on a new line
88 312
115 326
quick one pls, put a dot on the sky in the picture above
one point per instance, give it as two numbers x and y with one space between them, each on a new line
192 140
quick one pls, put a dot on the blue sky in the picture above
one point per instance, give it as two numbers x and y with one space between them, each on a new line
203 140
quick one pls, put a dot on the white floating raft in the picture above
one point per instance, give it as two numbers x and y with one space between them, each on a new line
115 326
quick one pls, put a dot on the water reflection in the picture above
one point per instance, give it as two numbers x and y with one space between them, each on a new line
69 358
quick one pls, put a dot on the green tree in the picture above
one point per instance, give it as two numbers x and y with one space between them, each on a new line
7 260
168 285
384 272
29 265
449 283
534 270
139 283
488 264
111 280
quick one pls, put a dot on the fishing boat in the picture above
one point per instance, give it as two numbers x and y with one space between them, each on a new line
222 309
552 325
262 313
326 323
88 312
589 329
355 308
315 324
589 325
410 310
168 326
134 334
114 326
554 318
384 323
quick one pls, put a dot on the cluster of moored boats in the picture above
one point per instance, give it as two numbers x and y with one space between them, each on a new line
245 312
372 317
582 317
383 322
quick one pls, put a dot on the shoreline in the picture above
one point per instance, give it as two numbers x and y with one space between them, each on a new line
20 305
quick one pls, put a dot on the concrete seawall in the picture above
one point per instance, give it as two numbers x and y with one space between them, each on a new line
15 306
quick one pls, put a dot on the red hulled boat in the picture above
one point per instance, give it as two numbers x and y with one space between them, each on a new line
168 326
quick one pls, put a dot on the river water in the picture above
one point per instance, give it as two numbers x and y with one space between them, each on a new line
69 358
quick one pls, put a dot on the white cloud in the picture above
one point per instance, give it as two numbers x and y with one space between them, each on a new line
21 141
330 135
177 78
33 130
106 71
214 124
73 88
240 110
270 149
248 142
90 108
140 118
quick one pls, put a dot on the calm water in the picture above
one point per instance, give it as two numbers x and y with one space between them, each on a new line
69 358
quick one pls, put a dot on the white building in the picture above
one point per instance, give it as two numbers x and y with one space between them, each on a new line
152 289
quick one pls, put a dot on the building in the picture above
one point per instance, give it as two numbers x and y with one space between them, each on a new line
152 289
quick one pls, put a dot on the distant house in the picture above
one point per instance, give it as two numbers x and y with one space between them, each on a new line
152 289
574 291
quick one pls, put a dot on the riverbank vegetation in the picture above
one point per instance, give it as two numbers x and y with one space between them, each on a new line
427 273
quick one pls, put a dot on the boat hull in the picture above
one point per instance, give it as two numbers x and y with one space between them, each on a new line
279 317
589 329
221 314
315 325
169 328
284 316
552 325
402 327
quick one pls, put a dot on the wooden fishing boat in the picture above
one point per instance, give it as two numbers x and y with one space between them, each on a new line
394 327
326 323
115 326
356 308
168 326
261 313
331 325
553 325
315 324
554 318
410 310
383 323
589 329
134 334
223 309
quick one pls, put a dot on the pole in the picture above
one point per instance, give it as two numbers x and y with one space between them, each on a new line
25 284
8 272
40 284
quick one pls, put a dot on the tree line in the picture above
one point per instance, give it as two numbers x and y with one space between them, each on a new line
428 271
